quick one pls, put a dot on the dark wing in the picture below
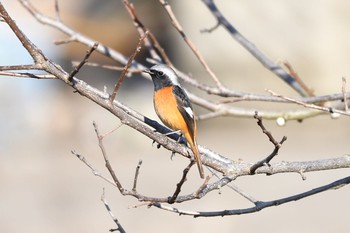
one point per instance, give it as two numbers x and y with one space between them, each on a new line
185 108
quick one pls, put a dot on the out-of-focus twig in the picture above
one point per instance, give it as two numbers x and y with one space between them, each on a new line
250 47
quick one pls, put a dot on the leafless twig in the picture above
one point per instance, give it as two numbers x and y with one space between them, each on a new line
250 47
105 156
57 11
120 227
313 106
137 172
126 67
110 67
179 185
298 79
190 44
272 140
27 75
94 171
80 65
343 89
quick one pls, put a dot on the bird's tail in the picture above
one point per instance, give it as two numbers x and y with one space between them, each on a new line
197 156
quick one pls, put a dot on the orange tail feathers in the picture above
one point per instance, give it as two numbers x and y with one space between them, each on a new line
197 156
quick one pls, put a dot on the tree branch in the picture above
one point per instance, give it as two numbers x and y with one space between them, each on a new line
82 63
120 227
230 169
190 44
272 140
223 92
259 205
126 67
250 47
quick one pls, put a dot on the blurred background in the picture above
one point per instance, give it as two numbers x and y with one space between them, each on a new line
44 188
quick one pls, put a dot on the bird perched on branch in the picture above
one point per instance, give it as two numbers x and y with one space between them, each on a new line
173 107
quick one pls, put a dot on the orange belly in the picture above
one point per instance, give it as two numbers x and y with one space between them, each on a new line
166 109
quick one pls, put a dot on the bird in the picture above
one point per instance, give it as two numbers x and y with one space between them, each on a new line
174 108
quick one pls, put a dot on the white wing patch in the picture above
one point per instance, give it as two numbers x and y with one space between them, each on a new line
189 111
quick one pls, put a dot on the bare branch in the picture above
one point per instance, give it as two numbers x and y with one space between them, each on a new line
74 36
343 89
182 181
57 11
190 44
94 171
137 172
110 67
272 140
138 121
259 205
224 92
20 67
313 106
298 79
250 47
105 156
120 227
142 30
236 189
80 65
27 75
126 67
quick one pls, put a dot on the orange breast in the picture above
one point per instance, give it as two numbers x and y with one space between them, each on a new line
166 109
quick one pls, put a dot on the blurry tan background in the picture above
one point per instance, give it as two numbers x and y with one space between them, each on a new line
44 188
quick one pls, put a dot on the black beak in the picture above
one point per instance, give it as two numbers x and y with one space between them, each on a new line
148 71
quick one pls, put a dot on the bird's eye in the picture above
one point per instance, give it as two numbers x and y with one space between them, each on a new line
160 73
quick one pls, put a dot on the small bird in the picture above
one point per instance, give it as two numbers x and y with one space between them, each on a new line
173 107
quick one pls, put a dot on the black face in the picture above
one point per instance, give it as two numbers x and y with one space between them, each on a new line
160 79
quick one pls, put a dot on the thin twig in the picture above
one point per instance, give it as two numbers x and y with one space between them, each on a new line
235 188
137 172
297 78
105 156
160 49
272 140
190 44
126 67
250 47
74 35
182 181
114 129
313 106
94 171
110 67
120 227
65 41
141 29
210 30
345 99
27 75
57 11
80 65
37 55
21 67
